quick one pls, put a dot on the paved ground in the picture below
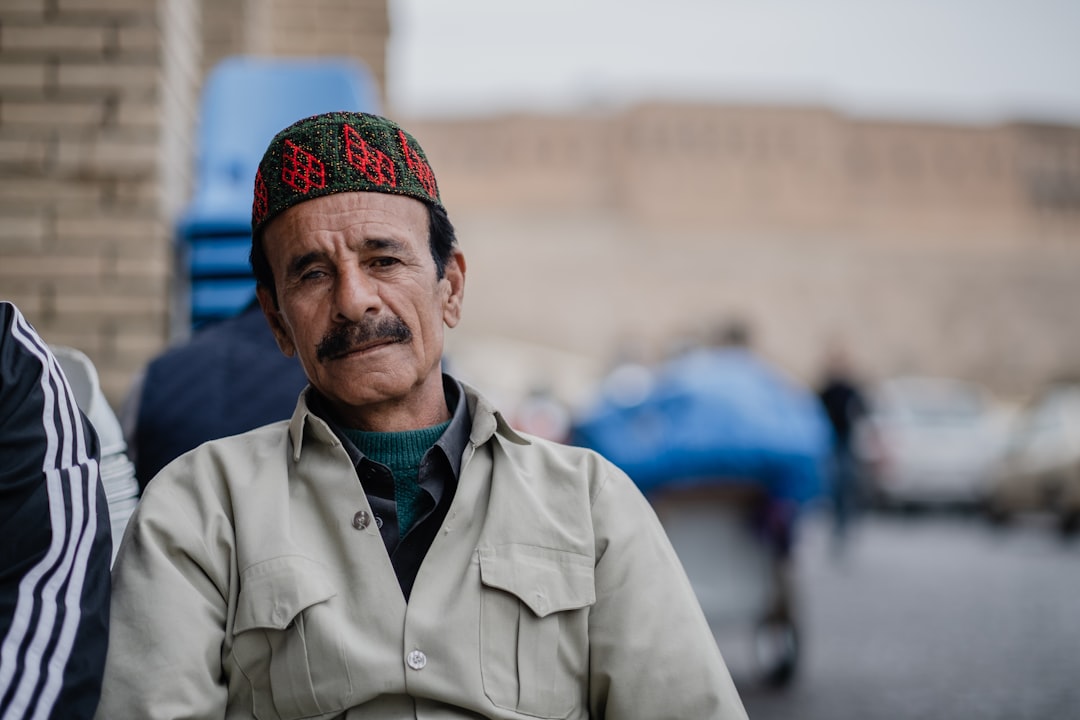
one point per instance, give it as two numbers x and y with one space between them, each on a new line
931 617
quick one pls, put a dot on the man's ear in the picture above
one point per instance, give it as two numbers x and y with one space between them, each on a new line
277 325
454 278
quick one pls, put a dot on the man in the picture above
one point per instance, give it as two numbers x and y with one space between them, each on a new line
56 544
395 550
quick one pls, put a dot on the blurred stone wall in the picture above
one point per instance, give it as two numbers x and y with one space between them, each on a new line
98 101
785 169
923 247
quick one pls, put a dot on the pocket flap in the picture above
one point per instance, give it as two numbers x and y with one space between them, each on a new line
545 579
273 592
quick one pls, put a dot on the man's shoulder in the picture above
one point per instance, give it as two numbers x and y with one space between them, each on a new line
252 442
215 458
561 463
545 446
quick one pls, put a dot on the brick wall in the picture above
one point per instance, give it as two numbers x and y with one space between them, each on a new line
98 102
83 246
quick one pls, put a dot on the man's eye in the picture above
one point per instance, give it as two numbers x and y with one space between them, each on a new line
313 275
385 261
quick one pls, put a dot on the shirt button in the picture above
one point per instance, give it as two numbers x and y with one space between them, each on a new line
416 660
361 520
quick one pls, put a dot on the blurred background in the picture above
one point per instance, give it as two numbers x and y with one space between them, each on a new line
896 184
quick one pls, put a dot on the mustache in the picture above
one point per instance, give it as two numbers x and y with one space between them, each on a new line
346 338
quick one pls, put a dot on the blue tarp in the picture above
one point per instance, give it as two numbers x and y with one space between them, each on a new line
715 415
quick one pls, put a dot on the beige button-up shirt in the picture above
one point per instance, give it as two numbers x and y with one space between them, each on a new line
246 588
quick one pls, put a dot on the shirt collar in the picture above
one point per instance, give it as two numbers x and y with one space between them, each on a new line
456 436
474 420
487 421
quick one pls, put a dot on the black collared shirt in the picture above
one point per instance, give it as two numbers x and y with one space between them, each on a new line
437 478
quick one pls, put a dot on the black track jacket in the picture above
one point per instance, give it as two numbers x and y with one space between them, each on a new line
55 544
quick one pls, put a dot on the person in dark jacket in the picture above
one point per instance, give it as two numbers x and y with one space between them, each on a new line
227 379
56 547
845 404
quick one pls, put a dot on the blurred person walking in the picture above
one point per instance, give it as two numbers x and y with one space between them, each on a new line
845 404
395 549
54 521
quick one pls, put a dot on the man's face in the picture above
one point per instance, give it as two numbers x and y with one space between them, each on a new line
359 301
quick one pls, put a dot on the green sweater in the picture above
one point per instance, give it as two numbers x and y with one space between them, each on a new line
402 452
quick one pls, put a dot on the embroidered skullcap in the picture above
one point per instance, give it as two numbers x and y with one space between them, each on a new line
339 152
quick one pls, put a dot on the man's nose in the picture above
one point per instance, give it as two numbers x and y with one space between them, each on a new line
355 295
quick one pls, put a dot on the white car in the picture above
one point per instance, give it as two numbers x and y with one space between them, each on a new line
1040 471
931 441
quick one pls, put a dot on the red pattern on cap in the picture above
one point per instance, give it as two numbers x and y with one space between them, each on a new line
301 170
376 166
419 167
262 199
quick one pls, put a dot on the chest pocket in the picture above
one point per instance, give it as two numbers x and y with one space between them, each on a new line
284 641
534 641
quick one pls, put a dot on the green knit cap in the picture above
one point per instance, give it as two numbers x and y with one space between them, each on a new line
339 152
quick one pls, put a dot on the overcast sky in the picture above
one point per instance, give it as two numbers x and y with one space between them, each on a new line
964 60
